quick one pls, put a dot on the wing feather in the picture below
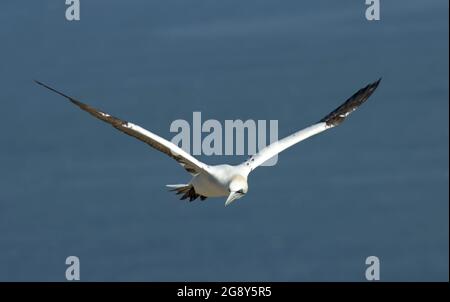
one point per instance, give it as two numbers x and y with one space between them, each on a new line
191 164
333 119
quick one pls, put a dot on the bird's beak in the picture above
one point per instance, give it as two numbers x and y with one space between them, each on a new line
232 197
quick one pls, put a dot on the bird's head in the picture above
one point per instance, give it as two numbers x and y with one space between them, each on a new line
238 187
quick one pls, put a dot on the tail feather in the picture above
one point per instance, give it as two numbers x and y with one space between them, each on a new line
177 186
187 190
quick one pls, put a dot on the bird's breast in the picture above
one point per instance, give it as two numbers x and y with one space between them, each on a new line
209 186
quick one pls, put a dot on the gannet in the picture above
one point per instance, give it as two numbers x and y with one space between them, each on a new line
224 180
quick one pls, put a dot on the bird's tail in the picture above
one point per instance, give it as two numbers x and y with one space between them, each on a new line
187 190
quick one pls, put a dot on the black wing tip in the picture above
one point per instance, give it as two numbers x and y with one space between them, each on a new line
58 92
375 84
339 114
43 85
368 88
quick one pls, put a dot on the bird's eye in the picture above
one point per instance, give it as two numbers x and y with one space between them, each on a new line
241 191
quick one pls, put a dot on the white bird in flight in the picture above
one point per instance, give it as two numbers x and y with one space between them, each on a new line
224 180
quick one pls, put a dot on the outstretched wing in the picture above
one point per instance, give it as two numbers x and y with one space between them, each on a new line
333 119
191 164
